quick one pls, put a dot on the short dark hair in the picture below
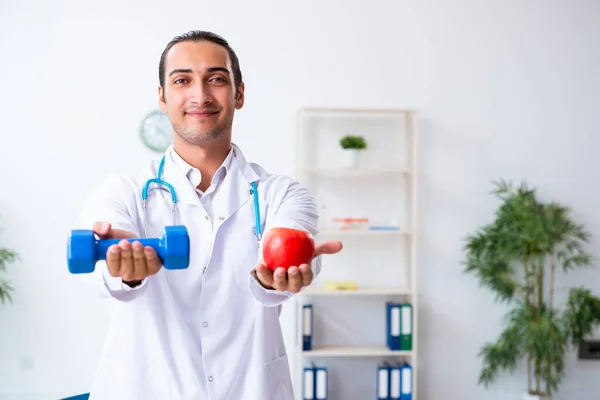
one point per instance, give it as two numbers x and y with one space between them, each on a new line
197 36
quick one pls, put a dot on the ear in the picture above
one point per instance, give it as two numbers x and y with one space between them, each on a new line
239 101
161 99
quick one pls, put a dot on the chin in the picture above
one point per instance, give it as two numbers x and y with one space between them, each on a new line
201 137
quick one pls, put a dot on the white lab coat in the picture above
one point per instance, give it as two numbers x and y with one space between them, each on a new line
193 334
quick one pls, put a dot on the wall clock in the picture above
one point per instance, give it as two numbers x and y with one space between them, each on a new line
156 131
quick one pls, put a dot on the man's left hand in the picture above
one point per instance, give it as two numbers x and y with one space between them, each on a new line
295 278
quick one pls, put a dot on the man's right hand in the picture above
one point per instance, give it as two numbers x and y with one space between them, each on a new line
131 262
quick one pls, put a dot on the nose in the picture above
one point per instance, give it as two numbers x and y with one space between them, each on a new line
200 93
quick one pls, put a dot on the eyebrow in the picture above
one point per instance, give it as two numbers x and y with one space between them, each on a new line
189 71
218 69
180 71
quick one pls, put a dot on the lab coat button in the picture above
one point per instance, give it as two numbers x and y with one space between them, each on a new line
205 324
210 378
221 218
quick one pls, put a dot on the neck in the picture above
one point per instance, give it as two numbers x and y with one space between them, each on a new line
206 158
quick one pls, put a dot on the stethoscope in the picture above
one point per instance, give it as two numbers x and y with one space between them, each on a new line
158 180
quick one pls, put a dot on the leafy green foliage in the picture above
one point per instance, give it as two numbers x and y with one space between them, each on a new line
515 256
582 314
6 256
353 142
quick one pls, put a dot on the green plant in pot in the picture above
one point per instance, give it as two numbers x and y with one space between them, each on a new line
351 146
6 256
518 256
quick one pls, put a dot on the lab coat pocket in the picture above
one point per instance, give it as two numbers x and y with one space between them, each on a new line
279 386
117 381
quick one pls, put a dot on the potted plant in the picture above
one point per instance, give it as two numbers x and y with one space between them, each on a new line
351 146
6 256
516 256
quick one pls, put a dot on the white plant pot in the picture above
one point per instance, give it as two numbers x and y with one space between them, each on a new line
528 396
350 158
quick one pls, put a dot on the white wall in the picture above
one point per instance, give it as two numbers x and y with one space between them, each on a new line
493 80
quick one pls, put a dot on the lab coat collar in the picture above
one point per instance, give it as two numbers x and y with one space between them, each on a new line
193 174
246 169
235 190
238 184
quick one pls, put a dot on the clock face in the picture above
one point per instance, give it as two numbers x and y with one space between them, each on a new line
156 131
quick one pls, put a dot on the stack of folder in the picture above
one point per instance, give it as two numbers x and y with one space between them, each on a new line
394 381
399 326
315 383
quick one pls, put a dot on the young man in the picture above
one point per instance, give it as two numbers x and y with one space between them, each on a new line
210 331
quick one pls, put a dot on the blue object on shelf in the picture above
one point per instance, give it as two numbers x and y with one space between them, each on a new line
384 228
84 396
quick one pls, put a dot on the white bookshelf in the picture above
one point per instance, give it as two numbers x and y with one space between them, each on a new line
354 351
349 325
340 172
360 291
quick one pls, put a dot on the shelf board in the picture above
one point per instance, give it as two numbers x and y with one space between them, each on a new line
354 351
362 232
325 112
360 291
354 173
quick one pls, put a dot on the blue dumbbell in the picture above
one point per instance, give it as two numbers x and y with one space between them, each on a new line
84 250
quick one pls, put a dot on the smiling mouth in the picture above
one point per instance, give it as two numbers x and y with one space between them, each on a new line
201 114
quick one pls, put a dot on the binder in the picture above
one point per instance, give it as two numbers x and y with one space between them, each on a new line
395 382
399 326
309 383
406 327
307 327
406 382
393 325
383 382
321 383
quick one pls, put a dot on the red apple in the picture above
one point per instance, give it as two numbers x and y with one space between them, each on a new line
287 247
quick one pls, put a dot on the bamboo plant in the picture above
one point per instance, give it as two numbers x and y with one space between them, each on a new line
517 256
6 256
